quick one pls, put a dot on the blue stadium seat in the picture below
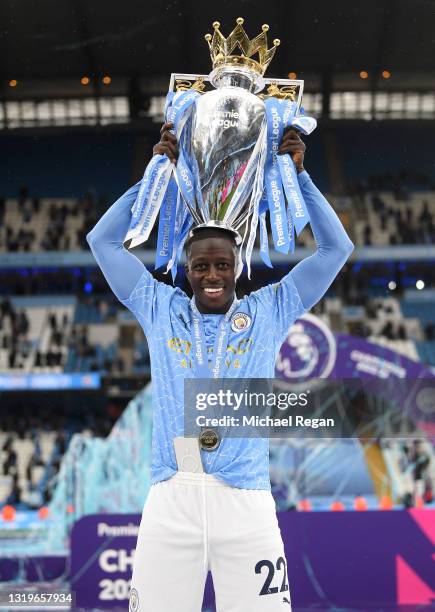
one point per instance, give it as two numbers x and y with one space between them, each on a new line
426 351
425 311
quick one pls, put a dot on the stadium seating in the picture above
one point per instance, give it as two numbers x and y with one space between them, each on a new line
401 463
426 351
372 217
382 219
35 455
65 334
47 322
92 327
37 221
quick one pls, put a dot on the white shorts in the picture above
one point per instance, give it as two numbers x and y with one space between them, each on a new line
193 523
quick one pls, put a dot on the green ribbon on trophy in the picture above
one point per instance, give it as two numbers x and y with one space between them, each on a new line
228 173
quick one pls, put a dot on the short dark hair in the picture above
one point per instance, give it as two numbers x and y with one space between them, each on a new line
208 232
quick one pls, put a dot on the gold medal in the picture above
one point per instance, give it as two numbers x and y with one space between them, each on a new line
209 440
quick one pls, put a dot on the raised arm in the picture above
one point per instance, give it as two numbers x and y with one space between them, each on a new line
121 268
314 275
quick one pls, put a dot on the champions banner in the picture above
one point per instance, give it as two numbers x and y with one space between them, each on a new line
362 560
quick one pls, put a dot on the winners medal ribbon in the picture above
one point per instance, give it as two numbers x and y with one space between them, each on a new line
209 438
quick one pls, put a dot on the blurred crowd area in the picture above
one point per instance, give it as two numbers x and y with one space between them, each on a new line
80 336
34 436
32 224
384 210
68 320
416 465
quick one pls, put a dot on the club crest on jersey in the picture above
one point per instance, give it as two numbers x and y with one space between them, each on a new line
134 601
240 321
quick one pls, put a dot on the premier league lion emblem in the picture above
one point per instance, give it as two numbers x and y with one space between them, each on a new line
240 322
309 352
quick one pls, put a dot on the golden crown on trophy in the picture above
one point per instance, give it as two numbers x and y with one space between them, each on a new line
221 48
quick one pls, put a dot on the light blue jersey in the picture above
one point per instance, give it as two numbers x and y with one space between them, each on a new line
165 316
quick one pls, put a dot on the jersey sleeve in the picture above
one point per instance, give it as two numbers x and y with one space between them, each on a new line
127 276
314 274
149 301
278 307
282 303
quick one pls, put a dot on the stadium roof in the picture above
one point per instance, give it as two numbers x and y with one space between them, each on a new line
44 40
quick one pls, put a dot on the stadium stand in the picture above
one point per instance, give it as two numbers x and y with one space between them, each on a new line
411 466
65 333
373 218
33 442
33 224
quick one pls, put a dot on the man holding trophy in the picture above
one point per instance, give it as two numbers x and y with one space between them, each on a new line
226 158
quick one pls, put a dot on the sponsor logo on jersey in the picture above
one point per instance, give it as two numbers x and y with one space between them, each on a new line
240 321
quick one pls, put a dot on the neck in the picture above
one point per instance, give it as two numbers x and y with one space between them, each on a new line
221 310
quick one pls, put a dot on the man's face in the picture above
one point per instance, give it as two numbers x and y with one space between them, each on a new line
211 272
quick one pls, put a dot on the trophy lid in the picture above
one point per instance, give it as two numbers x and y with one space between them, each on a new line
222 49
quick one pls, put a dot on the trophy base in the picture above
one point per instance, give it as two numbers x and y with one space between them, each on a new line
216 224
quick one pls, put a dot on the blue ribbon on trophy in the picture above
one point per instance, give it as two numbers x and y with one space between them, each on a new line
275 193
264 236
165 236
228 173
153 191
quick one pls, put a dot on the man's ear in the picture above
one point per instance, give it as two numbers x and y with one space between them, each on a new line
186 269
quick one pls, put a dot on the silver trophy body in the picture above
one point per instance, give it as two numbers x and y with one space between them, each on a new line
225 146
222 132
225 127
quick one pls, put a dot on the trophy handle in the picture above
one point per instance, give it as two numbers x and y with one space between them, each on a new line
285 89
183 82
280 88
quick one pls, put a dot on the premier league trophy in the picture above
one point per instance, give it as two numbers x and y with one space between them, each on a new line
228 125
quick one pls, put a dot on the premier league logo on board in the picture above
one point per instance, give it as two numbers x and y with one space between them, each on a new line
240 321
309 352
